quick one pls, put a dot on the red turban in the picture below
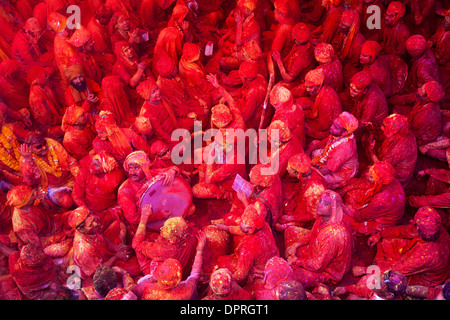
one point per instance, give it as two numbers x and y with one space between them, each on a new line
57 21
191 52
361 80
221 280
168 274
32 255
348 17
19 196
157 148
427 220
383 174
80 37
434 91
32 24
221 115
347 121
77 216
280 95
165 65
396 7
146 87
371 48
324 52
252 49
72 114
276 270
417 43
284 134
314 78
300 162
396 125
259 179
249 69
301 32
252 217
108 163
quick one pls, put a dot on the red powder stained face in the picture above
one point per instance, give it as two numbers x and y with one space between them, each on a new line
92 108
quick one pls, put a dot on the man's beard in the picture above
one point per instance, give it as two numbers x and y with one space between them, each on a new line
81 86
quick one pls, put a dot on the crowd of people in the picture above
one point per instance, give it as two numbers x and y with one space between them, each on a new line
356 106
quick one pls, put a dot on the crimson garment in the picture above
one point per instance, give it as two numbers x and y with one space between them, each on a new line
136 142
329 107
100 36
77 141
332 74
394 38
294 117
97 192
371 107
251 254
400 150
425 120
32 281
341 160
73 96
237 293
425 263
44 105
423 69
326 257
299 208
150 254
252 101
15 90
160 119
385 208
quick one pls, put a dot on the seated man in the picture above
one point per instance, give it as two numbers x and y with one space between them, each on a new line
336 157
324 253
256 246
81 90
138 167
96 188
322 107
176 240
301 202
47 166
419 250
224 287
376 200
91 249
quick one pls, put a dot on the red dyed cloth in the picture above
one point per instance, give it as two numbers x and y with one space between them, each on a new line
45 108
394 38
332 73
329 107
371 107
423 262
160 119
150 254
97 192
32 281
384 209
423 69
251 254
326 257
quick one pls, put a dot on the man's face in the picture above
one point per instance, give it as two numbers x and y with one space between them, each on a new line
33 36
88 47
344 29
95 167
136 173
313 90
323 206
389 17
155 95
336 129
421 93
364 59
128 53
104 20
447 21
356 93
123 24
79 83
90 225
102 135
39 148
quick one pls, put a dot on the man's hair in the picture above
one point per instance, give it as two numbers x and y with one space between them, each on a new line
105 280
446 291
291 290
396 282
432 238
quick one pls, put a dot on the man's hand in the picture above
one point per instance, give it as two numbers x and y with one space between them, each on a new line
25 151
212 78
91 98
124 253
146 212
169 176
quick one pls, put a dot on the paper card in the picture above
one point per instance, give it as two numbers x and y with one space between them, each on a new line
209 48
242 184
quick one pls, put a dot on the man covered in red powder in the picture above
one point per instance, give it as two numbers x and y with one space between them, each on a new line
324 253
419 250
